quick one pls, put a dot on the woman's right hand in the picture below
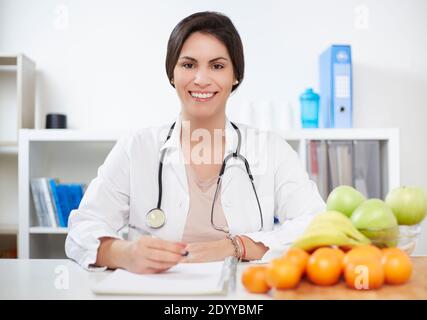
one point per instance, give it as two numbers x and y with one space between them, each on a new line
143 255
153 255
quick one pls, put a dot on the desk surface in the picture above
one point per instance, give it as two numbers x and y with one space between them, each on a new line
39 279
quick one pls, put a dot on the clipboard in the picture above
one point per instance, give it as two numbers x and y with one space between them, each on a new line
210 278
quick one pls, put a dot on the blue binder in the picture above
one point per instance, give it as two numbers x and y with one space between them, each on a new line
336 87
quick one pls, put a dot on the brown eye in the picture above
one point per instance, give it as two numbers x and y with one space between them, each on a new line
218 66
188 65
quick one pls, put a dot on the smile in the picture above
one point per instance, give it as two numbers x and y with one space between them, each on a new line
202 96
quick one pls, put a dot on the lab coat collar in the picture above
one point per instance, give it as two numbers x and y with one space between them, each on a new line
174 142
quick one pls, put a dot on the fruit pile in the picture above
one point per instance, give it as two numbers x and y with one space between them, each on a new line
379 220
366 229
363 268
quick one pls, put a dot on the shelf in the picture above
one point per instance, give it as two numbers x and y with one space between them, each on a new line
4 68
4 149
17 105
289 135
70 135
8 59
340 134
48 230
8 229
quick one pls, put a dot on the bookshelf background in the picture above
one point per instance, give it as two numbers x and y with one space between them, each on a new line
17 103
75 155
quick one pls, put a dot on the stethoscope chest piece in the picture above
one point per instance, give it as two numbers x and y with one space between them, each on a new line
155 218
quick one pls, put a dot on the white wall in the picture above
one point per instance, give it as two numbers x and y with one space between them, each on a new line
102 62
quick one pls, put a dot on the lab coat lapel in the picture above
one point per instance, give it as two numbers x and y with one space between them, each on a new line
174 158
231 140
231 143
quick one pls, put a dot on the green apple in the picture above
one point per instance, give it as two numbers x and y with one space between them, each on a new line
373 214
344 199
409 204
376 221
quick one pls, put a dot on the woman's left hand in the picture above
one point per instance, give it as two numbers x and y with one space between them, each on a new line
209 251
221 249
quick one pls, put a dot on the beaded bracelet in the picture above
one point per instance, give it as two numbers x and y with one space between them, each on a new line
237 249
244 248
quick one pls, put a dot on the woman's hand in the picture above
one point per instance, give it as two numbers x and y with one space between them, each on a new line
209 251
221 249
143 255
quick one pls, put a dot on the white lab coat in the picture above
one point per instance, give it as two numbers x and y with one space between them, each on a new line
126 188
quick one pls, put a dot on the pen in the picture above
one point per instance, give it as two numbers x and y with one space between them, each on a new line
140 230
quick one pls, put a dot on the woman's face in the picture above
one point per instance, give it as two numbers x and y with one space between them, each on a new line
203 76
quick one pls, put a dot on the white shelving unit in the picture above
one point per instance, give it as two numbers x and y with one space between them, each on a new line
17 91
389 139
74 156
71 156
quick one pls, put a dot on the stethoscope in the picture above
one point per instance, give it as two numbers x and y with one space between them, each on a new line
156 217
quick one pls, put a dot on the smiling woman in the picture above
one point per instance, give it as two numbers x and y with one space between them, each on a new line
205 63
218 185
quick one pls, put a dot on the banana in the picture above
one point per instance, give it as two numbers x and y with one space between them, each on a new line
330 228
333 216
314 240
350 232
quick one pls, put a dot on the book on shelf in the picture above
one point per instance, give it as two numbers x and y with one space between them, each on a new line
318 165
54 201
340 163
355 163
367 168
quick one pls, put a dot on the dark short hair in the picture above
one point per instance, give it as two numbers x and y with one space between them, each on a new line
212 23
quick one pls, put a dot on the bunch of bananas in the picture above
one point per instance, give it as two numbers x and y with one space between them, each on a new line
330 228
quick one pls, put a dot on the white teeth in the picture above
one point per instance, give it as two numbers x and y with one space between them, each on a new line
202 95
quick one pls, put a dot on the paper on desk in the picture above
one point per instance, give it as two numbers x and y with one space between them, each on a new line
182 279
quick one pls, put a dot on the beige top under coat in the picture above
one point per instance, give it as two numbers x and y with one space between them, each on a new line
198 227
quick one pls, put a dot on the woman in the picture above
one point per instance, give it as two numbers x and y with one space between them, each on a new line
198 216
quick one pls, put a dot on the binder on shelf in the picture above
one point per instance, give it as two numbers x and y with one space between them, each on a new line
355 163
318 165
53 202
48 200
367 168
45 214
312 161
336 92
41 214
59 213
340 155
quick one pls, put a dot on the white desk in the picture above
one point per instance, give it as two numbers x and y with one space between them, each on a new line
35 279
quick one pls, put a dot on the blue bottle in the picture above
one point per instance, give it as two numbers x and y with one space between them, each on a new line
309 109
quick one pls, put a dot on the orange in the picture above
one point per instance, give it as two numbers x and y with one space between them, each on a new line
283 274
340 254
363 251
298 257
364 273
254 279
397 266
324 267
